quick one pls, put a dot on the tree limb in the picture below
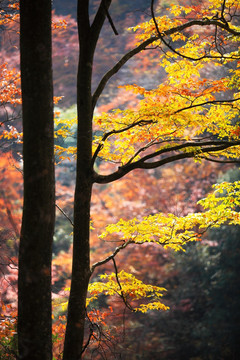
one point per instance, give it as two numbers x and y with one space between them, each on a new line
110 133
110 21
214 21
212 102
204 147
99 19
117 67
110 257
139 48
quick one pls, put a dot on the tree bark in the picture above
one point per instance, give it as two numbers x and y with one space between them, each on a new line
35 253
88 37
74 337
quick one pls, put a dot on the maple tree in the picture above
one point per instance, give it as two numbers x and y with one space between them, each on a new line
183 118
161 122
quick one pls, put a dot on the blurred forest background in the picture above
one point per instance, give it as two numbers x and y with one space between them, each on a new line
203 284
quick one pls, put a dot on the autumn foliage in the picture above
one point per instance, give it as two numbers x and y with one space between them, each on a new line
166 144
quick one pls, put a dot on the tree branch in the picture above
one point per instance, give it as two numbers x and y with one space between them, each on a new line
218 22
117 67
141 47
212 102
222 12
107 135
204 147
220 161
152 143
63 212
110 21
99 19
196 144
146 122
110 257
120 287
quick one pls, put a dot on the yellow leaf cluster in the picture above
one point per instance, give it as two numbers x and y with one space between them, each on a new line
128 287
65 153
174 232
64 129
222 203
167 230
180 109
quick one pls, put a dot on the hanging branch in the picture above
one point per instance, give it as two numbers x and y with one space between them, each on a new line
120 287
110 20
222 13
91 330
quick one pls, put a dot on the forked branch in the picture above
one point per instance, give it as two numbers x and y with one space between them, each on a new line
113 132
112 256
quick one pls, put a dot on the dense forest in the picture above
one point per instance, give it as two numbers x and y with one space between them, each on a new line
159 188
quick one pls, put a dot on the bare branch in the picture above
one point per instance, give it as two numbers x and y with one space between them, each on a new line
91 329
220 161
152 143
117 67
222 12
212 102
99 19
12 221
110 21
66 216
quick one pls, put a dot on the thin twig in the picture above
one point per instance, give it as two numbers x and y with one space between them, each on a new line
110 21
120 287
63 212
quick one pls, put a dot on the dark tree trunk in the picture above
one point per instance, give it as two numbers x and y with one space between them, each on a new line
81 263
34 307
88 36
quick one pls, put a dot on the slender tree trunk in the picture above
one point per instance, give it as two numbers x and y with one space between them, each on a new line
81 263
88 37
34 286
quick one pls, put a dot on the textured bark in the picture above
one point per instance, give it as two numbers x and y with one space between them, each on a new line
81 263
34 308
88 36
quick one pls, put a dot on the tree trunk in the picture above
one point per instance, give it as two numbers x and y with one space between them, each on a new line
88 37
81 263
34 286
